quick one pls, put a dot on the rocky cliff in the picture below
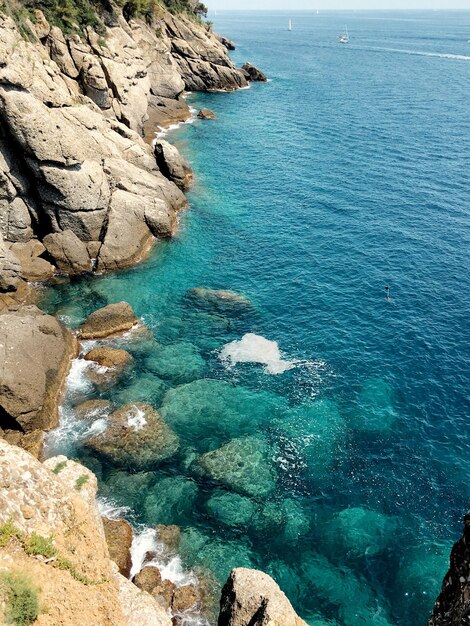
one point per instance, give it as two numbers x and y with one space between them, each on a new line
452 607
80 190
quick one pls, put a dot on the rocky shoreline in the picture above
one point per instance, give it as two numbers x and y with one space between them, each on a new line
85 188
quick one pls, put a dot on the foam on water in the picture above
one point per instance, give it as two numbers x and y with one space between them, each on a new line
96 428
136 420
422 53
146 542
252 348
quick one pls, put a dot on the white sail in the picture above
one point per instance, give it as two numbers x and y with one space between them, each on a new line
290 25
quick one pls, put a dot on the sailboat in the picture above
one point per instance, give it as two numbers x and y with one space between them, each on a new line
290 25
344 38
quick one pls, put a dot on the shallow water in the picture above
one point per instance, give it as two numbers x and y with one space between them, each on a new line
345 476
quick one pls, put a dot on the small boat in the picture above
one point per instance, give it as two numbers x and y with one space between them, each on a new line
290 25
344 38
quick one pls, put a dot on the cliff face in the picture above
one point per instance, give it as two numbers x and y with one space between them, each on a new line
51 533
75 173
452 607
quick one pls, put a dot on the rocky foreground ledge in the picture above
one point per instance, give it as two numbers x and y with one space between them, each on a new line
52 539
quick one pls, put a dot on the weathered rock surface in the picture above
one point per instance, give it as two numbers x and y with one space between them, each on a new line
172 164
225 42
56 500
10 268
114 358
74 170
136 436
253 74
251 597
109 320
35 353
118 535
452 607
93 409
206 114
33 267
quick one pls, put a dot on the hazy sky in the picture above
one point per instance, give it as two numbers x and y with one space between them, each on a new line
337 4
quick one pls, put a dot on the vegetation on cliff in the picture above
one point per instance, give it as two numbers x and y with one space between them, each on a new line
75 15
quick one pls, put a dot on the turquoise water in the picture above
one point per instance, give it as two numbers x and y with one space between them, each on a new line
346 476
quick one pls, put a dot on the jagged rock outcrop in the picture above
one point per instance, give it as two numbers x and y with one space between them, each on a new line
118 535
206 114
56 536
452 607
35 353
253 73
252 598
172 164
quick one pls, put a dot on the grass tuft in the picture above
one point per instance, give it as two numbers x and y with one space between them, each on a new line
82 480
37 545
21 598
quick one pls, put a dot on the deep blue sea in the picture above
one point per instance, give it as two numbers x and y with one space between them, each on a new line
346 475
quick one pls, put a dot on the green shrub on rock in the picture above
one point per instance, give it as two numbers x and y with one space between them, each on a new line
21 598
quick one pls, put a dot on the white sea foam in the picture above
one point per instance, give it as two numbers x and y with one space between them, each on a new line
107 508
77 381
96 428
136 419
422 53
145 542
253 348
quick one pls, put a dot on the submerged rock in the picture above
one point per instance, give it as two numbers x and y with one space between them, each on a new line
207 412
253 74
242 464
135 436
170 501
131 488
361 532
93 409
179 362
231 509
118 535
206 114
220 300
374 412
170 535
252 597
109 320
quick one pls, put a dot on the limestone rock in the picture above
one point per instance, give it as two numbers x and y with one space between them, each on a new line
41 25
33 268
136 436
68 251
10 268
226 42
185 598
172 164
35 354
109 320
148 579
253 73
252 597
206 114
109 357
37 499
139 608
118 535
452 607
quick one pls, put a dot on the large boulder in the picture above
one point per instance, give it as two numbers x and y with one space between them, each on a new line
33 267
35 354
109 320
118 535
252 597
113 358
69 252
135 436
172 164
253 74
206 114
